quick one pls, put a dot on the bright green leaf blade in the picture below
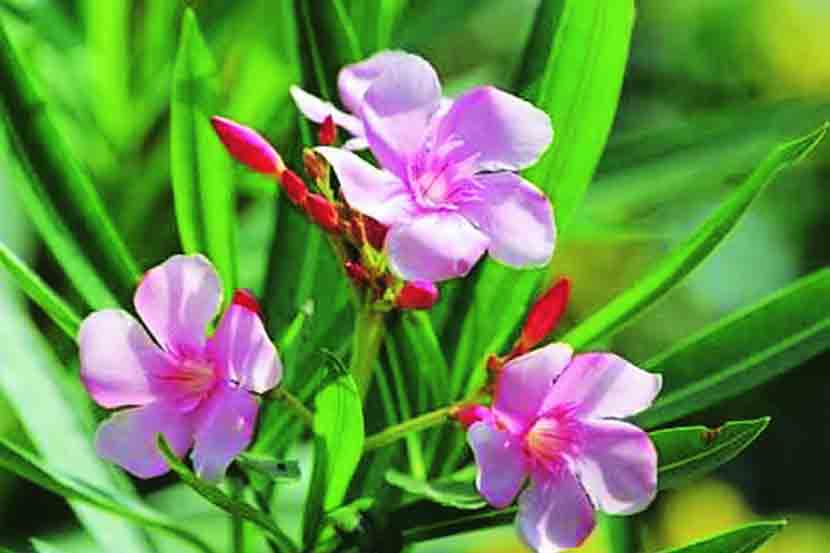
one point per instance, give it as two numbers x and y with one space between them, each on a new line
200 167
743 350
461 495
270 467
45 156
43 547
686 257
338 445
688 453
745 539
40 292
26 465
224 501
579 89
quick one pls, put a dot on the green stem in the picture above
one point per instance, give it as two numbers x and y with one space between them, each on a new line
422 422
368 336
623 534
292 402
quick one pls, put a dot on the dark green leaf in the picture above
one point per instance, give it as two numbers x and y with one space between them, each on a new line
686 257
40 292
745 539
688 453
743 350
27 466
43 547
200 166
460 494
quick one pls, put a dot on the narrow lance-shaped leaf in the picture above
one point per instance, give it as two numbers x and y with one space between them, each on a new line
27 466
40 292
200 168
743 350
686 257
745 539
338 445
46 157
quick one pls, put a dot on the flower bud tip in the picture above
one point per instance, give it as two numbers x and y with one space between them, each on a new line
246 299
417 294
247 146
327 135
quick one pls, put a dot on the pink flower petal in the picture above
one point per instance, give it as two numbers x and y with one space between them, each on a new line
116 357
243 352
317 110
516 217
504 130
355 79
369 190
435 247
397 110
224 427
501 464
526 381
128 438
177 300
605 385
555 513
618 466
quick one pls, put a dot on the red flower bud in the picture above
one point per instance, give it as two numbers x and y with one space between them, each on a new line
315 166
375 232
417 294
248 147
294 187
544 316
322 212
245 298
356 272
471 414
327 135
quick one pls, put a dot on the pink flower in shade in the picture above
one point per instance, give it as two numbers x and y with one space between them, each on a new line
197 391
446 191
554 422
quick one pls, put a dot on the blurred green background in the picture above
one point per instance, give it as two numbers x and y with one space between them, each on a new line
711 85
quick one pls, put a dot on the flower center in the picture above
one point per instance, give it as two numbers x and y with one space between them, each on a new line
196 375
548 439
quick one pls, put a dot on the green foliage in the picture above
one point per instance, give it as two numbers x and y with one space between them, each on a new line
200 166
745 539
691 452
459 494
744 350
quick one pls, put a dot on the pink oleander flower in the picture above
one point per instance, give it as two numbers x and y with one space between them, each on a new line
447 190
196 391
553 422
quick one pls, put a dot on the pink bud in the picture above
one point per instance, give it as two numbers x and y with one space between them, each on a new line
322 212
245 298
327 135
294 187
357 272
471 414
418 294
375 232
544 316
248 147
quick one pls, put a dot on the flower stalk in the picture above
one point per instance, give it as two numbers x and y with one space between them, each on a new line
292 402
368 336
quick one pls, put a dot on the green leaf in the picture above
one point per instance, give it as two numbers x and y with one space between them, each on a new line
200 166
224 501
579 89
745 539
458 494
43 547
688 453
27 466
338 445
743 350
40 292
348 517
270 467
45 156
686 257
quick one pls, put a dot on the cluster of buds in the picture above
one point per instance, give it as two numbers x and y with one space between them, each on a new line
359 238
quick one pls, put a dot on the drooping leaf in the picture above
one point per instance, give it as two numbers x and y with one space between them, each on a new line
270 467
27 466
57 176
200 166
232 506
745 539
461 494
40 292
687 256
338 445
743 350
688 453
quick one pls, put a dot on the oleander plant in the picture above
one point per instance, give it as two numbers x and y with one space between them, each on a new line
304 294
